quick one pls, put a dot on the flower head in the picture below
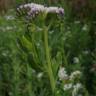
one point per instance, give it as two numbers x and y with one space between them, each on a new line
75 74
67 86
76 88
62 74
33 9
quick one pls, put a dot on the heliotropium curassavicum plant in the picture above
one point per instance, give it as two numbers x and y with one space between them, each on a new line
30 12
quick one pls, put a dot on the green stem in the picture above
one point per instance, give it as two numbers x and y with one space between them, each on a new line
63 50
65 59
49 66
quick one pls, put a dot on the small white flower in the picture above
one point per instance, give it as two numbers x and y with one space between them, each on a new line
76 88
9 17
34 9
39 75
62 74
75 74
9 28
67 86
86 52
85 27
77 22
76 60
34 71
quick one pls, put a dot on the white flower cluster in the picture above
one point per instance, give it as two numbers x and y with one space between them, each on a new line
75 74
67 86
76 88
40 75
33 9
76 60
62 74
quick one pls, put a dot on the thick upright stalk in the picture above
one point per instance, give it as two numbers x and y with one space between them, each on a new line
49 66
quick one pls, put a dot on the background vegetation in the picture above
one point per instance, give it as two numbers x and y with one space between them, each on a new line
72 42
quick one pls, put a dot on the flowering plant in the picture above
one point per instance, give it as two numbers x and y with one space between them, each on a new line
35 42
71 83
36 16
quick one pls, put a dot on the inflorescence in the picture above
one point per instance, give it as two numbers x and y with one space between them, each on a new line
32 9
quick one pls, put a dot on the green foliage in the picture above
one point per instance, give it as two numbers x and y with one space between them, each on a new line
31 53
